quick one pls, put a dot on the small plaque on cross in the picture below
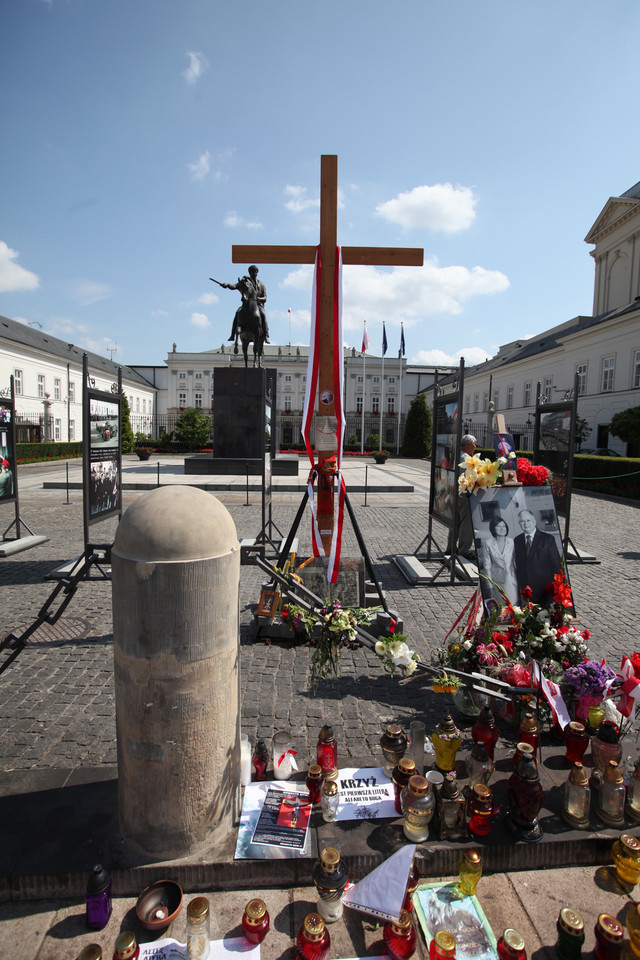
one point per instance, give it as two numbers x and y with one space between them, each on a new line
349 589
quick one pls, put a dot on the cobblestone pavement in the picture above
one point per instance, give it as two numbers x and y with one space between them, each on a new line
57 699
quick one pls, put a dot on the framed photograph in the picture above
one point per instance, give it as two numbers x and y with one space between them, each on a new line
8 476
102 463
268 603
440 906
518 542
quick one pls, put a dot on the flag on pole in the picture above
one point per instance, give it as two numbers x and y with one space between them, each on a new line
402 353
365 340
384 339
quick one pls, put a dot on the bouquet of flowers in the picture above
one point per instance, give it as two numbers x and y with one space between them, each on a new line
480 474
394 652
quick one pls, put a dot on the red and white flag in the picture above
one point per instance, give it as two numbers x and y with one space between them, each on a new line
365 340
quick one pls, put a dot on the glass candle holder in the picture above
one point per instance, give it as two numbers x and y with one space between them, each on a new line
255 921
485 731
418 805
632 806
416 745
313 782
98 898
524 796
576 741
283 762
632 921
596 716
523 749
511 946
605 746
446 741
576 800
412 885
329 801
611 796
126 946
394 745
452 810
470 872
626 856
609 938
400 937
313 942
330 878
198 929
260 760
327 749
479 766
92 951
529 732
480 810
443 946
570 927
402 773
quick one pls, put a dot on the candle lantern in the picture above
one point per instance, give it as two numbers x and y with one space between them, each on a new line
529 730
626 856
576 740
523 749
511 946
452 809
330 878
633 926
570 927
605 746
470 872
480 810
255 921
394 745
446 740
479 765
412 885
126 946
609 938
485 730
400 937
418 805
576 800
93 951
98 898
327 749
596 715
329 800
198 928
313 942
611 796
313 782
402 773
443 946
261 760
524 796
283 753
632 806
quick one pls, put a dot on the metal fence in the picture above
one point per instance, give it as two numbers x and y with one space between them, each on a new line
522 432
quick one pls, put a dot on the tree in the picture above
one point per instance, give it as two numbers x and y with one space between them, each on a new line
126 433
626 425
193 429
417 432
583 431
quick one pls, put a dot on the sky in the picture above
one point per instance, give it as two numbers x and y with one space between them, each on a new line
142 138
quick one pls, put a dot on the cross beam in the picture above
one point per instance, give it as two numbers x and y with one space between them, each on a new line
373 256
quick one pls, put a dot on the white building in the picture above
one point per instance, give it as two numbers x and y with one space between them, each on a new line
47 378
602 350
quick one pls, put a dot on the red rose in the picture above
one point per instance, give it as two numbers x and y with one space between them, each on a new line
527 593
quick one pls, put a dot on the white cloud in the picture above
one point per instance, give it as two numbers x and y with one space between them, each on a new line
201 167
407 294
441 207
199 320
208 298
298 199
160 313
12 275
86 292
232 219
198 64
439 358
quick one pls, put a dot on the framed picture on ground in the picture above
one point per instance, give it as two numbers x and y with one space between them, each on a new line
268 603
518 542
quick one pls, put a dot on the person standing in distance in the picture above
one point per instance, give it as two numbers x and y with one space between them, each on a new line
465 526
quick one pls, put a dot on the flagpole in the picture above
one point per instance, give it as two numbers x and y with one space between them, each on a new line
400 352
364 384
384 337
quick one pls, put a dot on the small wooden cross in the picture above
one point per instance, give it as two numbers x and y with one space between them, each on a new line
374 256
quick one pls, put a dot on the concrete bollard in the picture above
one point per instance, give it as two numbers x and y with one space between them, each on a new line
175 577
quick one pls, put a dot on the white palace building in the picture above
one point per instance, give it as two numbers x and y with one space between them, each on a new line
603 350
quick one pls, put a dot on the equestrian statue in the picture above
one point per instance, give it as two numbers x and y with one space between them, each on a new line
250 321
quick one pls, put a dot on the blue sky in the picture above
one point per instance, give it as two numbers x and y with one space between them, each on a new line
142 138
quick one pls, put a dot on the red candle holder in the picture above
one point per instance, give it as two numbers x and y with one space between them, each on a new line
485 731
400 937
255 921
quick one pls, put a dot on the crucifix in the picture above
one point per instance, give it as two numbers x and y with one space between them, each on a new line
373 256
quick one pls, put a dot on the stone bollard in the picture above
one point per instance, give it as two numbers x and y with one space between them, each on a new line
175 576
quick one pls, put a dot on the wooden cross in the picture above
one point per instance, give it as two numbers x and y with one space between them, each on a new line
373 256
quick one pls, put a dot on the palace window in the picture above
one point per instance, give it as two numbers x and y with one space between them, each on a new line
608 374
198 376
358 404
359 378
288 378
198 400
182 375
476 401
57 388
485 401
496 397
375 404
58 430
391 379
41 385
72 392
547 389
17 382
376 379
287 402
391 404
581 373
509 397
636 369
526 395
467 403
72 429
182 399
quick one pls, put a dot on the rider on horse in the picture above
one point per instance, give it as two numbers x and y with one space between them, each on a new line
250 288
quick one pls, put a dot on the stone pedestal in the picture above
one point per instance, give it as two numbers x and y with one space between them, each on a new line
175 574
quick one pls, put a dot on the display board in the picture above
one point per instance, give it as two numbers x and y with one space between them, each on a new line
101 451
8 473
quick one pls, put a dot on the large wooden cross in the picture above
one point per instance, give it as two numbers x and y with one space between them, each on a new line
373 256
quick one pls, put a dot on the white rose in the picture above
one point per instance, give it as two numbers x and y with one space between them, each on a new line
410 667
380 648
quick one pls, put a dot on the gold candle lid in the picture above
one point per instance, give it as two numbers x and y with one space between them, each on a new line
577 728
255 909
528 723
419 785
578 774
631 845
329 788
403 923
447 725
612 773
407 765
481 792
330 858
513 940
326 734
93 951
472 856
315 771
313 926
445 941
198 908
524 749
394 730
332 775
609 927
571 922
125 945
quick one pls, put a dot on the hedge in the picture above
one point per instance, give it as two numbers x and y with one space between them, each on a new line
31 452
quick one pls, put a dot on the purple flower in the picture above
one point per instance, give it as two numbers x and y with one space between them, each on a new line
588 677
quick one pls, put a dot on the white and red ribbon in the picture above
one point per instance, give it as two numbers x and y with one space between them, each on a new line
551 693
309 405
629 689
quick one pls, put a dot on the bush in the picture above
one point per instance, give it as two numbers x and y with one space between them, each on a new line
417 432
32 452
126 433
193 429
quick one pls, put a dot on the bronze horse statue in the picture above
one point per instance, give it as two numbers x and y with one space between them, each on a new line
250 328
